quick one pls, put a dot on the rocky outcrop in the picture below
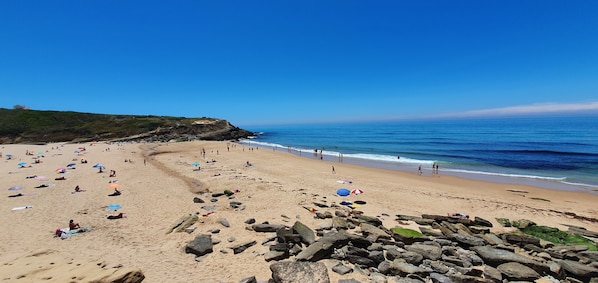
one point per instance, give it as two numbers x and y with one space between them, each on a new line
450 250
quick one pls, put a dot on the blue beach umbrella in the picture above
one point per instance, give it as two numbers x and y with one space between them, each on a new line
70 165
9 155
22 163
343 192
96 165
114 206
195 163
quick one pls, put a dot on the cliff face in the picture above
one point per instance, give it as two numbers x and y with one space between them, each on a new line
216 130
31 126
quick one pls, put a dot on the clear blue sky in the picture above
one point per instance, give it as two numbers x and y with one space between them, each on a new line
272 62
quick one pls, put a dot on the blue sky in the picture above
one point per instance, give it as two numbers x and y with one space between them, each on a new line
277 62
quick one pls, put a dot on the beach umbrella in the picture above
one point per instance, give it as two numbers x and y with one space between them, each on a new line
114 206
343 192
15 188
113 186
8 155
22 163
195 163
77 151
96 165
70 165
60 170
357 191
41 178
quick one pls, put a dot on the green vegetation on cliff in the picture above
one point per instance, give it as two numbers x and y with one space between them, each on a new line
33 126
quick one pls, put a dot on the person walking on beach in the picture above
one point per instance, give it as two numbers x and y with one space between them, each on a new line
419 170
333 172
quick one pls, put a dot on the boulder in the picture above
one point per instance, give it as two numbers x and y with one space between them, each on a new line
307 234
297 271
431 252
242 247
579 270
265 227
201 245
494 257
517 271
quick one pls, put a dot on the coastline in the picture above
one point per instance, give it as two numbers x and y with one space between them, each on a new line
504 178
276 188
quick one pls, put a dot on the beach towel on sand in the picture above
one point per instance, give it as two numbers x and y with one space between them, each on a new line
65 233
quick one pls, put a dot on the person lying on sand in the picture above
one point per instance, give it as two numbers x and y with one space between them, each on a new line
60 178
115 193
41 186
458 215
17 195
118 216
30 177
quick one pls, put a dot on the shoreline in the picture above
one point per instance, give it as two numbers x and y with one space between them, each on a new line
513 179
277 188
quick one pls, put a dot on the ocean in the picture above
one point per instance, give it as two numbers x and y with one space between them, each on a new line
550 152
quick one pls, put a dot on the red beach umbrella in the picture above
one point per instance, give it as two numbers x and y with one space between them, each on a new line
357 191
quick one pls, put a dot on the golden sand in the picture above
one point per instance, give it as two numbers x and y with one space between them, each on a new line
277 188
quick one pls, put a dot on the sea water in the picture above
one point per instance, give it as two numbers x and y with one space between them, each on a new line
550 152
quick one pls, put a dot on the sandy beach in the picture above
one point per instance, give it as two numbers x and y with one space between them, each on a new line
159 182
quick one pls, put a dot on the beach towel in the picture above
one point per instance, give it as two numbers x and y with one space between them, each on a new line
66 233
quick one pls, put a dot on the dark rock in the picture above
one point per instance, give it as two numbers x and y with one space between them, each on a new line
439 278
287 235
582 231
430 232
403 268
288 272
248 280
369 219
495 257
412 257
242 247
342 269
579 270
236 204
460 278
431 252
250 221
492 239
340 223
517 271
467 240
373 233
492 273
482 222
198 200
307 234
201 245
224 222
276 255
267 227
520 239
324 246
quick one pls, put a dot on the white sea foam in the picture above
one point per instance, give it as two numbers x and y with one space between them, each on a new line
554 179
390 159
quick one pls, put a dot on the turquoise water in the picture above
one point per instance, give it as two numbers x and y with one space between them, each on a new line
550 152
